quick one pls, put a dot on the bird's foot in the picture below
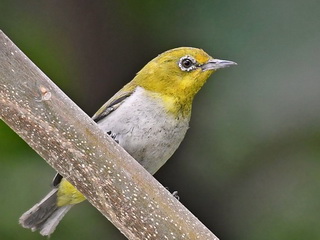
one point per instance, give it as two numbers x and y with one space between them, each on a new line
174 193
113 136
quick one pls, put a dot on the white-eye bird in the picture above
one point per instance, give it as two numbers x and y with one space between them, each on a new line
148 117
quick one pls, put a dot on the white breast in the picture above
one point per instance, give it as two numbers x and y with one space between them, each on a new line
145 130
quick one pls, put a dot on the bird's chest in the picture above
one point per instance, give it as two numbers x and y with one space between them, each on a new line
146 130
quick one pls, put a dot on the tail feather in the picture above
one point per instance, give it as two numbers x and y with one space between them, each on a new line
45 215
51 223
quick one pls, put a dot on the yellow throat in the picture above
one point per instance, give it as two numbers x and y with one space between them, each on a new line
176 76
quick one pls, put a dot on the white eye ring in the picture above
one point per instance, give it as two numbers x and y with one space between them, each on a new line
187 63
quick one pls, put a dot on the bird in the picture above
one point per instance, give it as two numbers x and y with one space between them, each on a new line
148 117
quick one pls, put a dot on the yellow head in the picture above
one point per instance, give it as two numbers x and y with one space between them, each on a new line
178 74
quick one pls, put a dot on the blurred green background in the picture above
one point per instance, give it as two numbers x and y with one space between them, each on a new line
249 167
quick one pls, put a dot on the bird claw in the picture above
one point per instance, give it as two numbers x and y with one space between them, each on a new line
113 136
174 193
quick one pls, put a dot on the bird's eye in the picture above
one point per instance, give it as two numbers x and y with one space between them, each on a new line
187 63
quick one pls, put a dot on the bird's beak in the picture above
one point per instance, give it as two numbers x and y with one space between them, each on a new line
214 64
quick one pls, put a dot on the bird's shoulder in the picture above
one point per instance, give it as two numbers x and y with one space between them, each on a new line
113 103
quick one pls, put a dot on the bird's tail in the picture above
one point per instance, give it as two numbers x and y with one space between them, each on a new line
45 215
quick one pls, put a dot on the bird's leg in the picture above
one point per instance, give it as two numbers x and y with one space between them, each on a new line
113 136
174 193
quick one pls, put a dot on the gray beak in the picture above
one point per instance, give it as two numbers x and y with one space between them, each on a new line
214 64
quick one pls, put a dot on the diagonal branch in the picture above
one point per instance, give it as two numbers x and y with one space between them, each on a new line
58 130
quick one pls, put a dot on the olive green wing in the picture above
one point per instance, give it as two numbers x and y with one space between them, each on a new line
110 106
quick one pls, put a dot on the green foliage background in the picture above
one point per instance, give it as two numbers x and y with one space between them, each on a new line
249 167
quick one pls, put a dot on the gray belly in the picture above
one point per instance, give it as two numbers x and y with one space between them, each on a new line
145 131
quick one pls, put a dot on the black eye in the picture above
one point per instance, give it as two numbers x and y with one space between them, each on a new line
187 63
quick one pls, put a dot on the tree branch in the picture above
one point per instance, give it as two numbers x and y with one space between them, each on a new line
58 130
